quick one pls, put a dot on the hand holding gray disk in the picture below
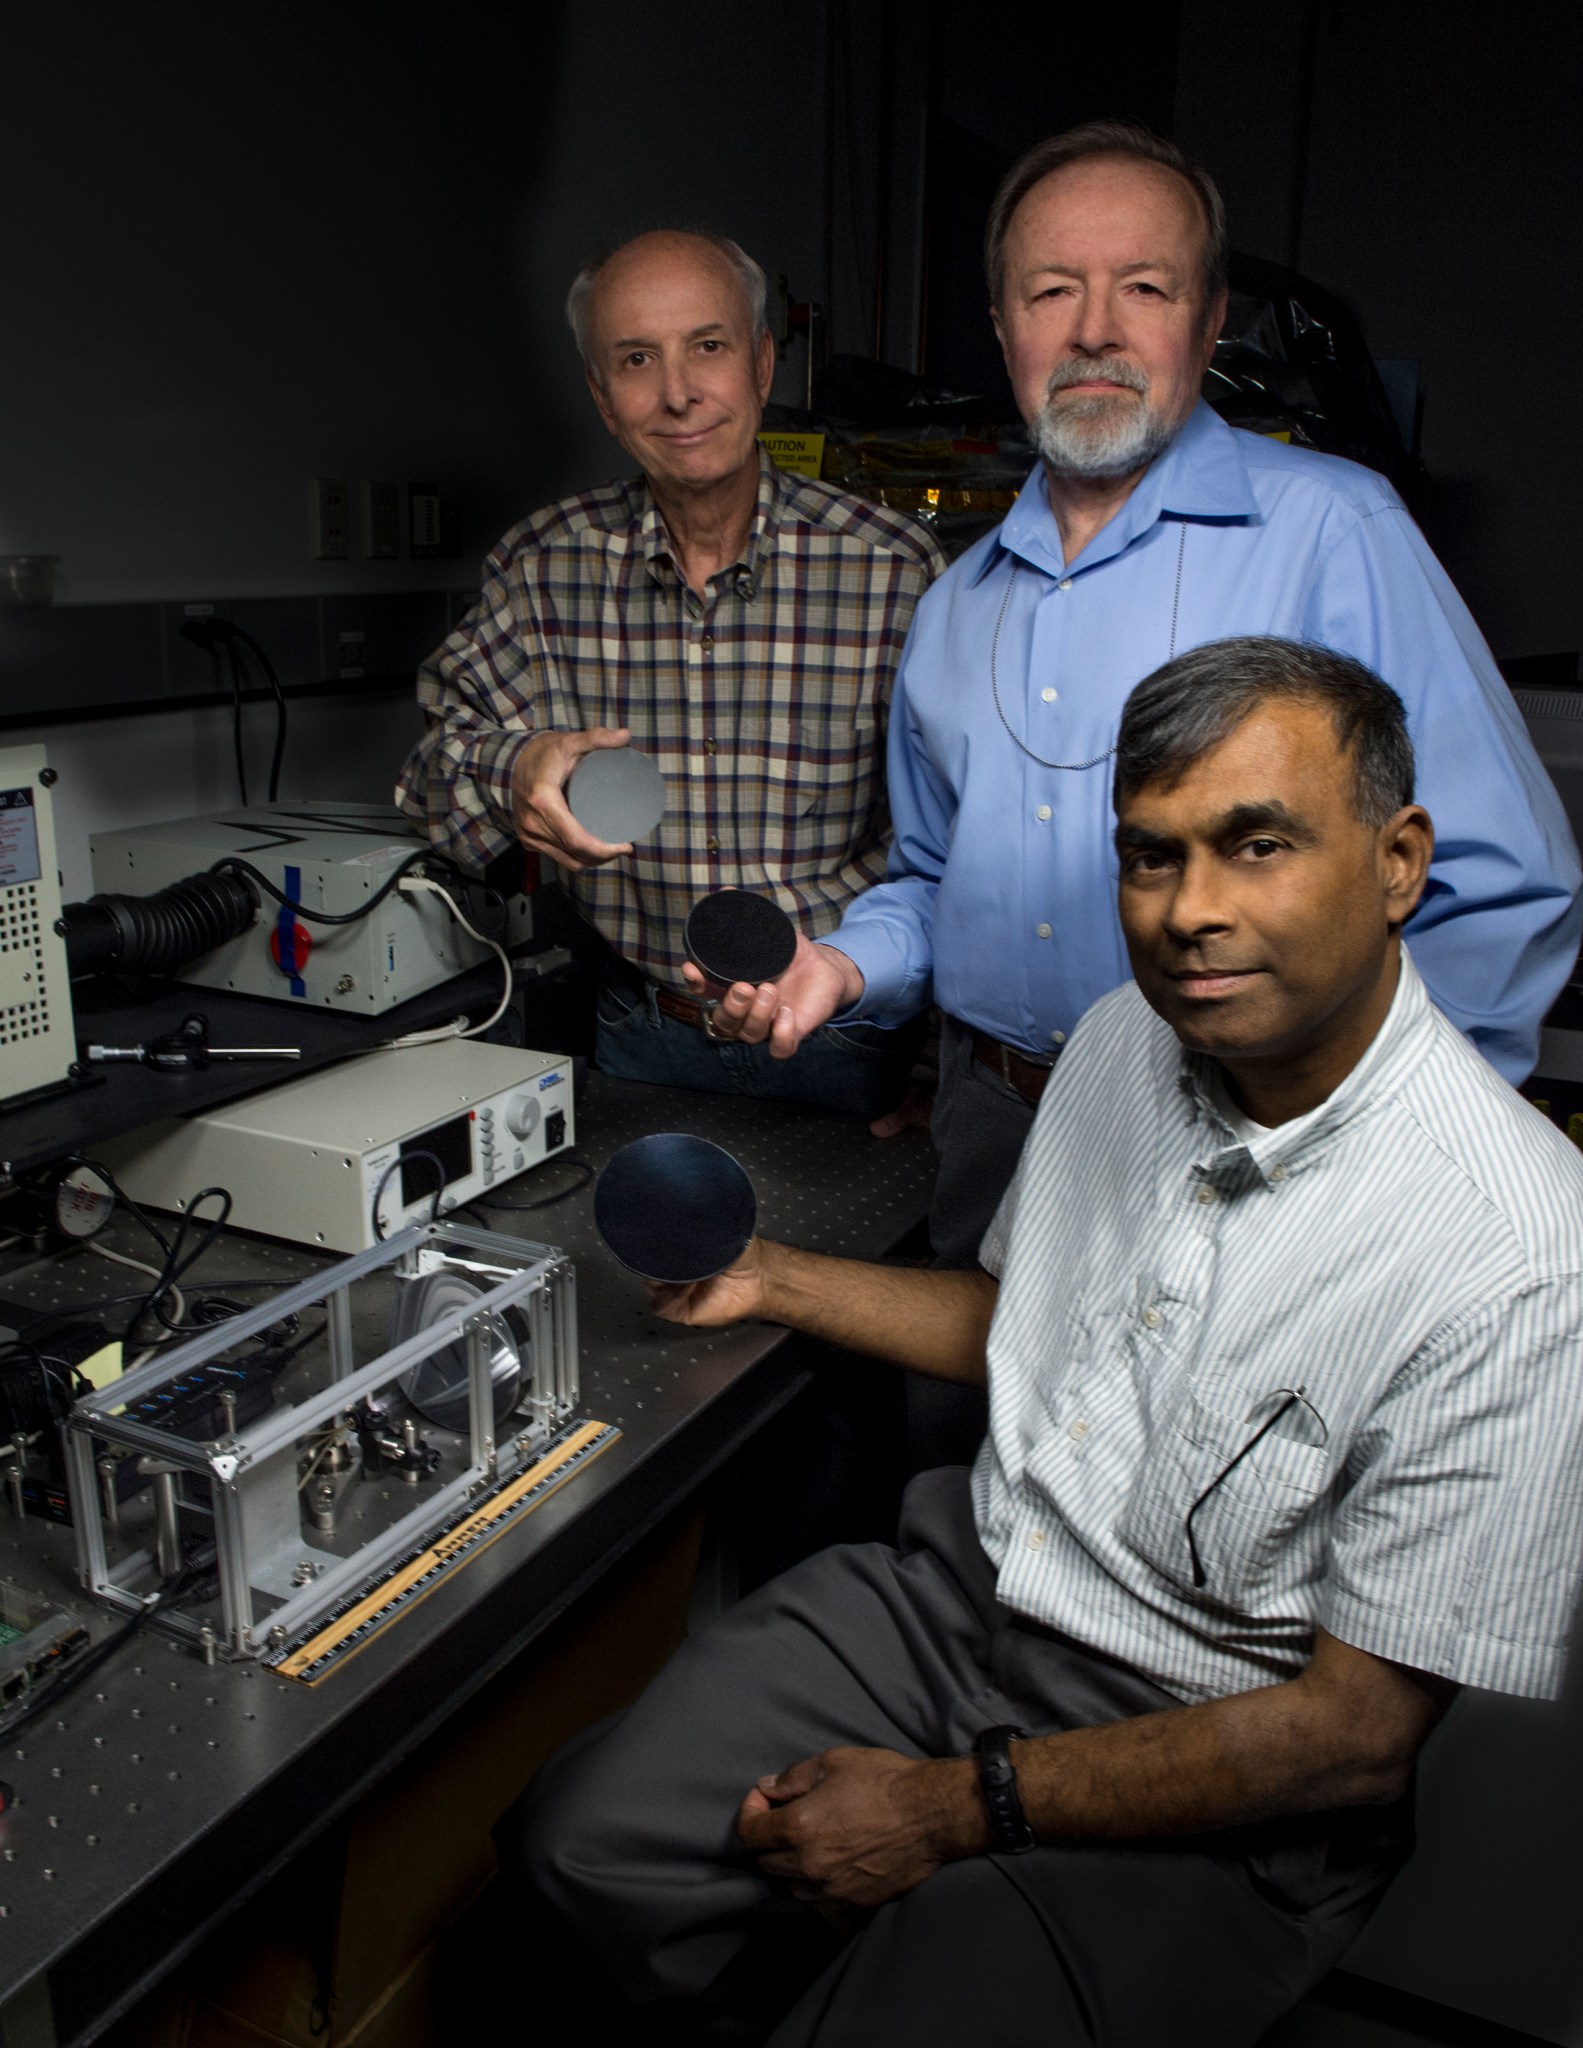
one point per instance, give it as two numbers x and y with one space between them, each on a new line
675 1208
733 935
616 794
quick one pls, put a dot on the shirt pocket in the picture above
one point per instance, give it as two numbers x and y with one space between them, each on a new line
818 775
1249 1502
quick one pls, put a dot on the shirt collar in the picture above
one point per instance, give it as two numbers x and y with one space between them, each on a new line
1201 475
1401 1042
775 487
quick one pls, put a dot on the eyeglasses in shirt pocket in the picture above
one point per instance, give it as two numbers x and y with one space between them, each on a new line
1245 1503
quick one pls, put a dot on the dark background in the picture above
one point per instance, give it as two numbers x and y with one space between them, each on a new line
251 245
248 245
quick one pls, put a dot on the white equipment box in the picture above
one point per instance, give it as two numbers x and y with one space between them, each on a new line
326 856
37 1045
319 1159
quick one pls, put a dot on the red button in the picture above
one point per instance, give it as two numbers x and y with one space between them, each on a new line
302 942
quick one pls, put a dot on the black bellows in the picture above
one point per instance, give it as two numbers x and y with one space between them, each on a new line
159 933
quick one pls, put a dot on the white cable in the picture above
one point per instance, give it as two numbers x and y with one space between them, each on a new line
420 884
140 1266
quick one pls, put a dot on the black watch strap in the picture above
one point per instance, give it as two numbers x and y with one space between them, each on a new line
1009 1832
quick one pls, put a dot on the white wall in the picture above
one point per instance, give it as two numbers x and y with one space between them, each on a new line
155 765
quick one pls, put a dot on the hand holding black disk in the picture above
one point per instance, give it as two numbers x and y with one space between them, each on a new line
733 935
675 1208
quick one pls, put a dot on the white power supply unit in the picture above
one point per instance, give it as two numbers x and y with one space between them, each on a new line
37 1046
353 1154
325 856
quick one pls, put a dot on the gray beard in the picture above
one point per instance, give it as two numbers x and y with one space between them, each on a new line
1101 436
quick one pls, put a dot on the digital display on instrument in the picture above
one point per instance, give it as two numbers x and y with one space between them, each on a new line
451 1144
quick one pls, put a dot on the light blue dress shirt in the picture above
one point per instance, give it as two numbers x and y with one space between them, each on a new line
1001 888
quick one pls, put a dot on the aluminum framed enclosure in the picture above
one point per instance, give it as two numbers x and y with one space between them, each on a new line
152 1497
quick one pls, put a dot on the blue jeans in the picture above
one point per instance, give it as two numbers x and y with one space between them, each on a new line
854 1067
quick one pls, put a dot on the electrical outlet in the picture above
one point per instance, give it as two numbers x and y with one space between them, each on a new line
329 522
423 519
381 522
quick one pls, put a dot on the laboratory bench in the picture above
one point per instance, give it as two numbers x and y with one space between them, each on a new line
166 1792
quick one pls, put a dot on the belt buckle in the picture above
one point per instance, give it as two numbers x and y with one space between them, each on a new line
1006 1057
706 1017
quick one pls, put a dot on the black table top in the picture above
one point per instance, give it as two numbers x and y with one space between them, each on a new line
156 1797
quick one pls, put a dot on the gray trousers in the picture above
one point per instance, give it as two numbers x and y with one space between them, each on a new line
630 1834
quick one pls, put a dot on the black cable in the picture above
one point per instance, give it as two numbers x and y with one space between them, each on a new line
273 680
23 1408
75 1159
87 1308
179 1586
175 1263
395 1166
585 1170
236 716
231 865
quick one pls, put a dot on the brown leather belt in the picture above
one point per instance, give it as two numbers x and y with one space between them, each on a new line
682 1008
1015 1068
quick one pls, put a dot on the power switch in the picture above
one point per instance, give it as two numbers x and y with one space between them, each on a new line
555 1130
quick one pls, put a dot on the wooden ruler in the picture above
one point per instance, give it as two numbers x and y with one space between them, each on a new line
350 1631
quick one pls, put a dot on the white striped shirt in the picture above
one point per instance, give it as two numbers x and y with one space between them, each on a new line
1409 1254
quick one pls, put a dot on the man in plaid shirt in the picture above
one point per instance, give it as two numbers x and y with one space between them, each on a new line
740 625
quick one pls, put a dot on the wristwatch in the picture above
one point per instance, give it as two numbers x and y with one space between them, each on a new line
1009 1832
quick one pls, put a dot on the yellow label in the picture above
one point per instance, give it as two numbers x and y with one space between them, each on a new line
104 1366
1279 434
802 454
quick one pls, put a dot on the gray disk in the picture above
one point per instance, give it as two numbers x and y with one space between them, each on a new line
617 794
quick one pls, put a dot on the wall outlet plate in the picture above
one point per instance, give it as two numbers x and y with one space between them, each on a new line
381 521
329 519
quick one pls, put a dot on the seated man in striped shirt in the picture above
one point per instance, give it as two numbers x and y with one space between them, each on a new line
739 624
1280 1321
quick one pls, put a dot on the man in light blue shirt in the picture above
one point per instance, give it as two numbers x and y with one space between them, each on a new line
1148 528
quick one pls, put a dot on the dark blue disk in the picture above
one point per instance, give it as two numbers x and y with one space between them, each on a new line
675 1208
734 935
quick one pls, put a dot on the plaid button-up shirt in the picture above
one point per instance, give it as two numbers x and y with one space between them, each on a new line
763 702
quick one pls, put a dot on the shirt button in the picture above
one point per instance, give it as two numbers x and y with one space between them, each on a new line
1044 930
1078 1431
1206 1193
1065 583
710 747
1043 814
1277 1173
707 641
1058 1038
1151 1318
1048 696
711 844
1036 1539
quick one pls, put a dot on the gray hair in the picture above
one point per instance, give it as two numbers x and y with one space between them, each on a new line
1105 138
751 278
1186 708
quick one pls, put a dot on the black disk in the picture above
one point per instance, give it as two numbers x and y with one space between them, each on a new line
733 935
675 1208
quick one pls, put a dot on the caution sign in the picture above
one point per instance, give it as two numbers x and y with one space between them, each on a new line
802 454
